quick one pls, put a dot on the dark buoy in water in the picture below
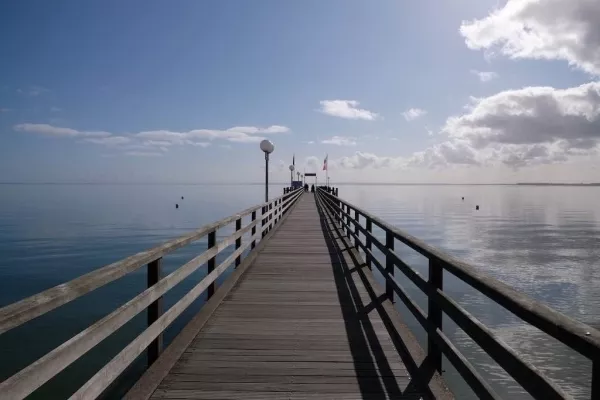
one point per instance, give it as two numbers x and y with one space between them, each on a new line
181 197
463 198
176 205
477 207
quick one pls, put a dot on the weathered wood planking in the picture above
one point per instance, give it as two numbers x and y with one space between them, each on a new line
302 323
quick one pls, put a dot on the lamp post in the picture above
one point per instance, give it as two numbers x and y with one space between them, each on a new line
267 147
291 175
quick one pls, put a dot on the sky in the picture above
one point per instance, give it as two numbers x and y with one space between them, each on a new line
461 91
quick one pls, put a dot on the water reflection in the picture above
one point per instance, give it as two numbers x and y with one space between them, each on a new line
544 241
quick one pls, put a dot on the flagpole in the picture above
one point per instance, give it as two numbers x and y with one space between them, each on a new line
327 171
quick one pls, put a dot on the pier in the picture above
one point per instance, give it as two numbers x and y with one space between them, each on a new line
300 317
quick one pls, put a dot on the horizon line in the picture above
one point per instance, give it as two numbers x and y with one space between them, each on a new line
285 183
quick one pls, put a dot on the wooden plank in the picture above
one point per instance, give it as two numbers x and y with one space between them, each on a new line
365 386
264 378
233 395
209 372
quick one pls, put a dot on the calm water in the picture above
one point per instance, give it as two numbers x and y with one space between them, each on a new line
544 241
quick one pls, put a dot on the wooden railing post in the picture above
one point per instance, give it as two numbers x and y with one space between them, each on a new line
348 228
264 221
389 265
434 312
155 310
238 242
280 210
270 217
253 232
368 241
212 241
356 218
343 218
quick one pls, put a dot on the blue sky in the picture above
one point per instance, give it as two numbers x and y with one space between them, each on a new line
148 91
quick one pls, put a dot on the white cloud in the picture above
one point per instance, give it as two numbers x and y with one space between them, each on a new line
147 142
246 139
312 162
162 135
346 109
532 29
310 142
532 125
143 154
237 134
253 130
340 141
532 115
516 128
275 129
160 143
49 130
485 76
361 160
200 144
413 113
443 154
109 140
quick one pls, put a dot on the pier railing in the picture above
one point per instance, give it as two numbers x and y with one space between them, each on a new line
263 218
576 335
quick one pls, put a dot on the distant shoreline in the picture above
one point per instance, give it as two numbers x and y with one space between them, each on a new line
558 184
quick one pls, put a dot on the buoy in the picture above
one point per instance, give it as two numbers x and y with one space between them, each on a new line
463 198
181 197
176 205
477 207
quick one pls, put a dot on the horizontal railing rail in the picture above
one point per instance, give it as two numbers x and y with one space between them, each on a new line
39 372
574 334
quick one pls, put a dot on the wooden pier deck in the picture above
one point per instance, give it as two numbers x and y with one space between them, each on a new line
304 322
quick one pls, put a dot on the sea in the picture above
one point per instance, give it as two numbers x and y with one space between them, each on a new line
542 240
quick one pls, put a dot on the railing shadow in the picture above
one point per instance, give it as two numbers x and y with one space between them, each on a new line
376 377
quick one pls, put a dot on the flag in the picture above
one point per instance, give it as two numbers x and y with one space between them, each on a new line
325 163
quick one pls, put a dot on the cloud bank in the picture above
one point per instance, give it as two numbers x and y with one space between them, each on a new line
136 143
532 29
